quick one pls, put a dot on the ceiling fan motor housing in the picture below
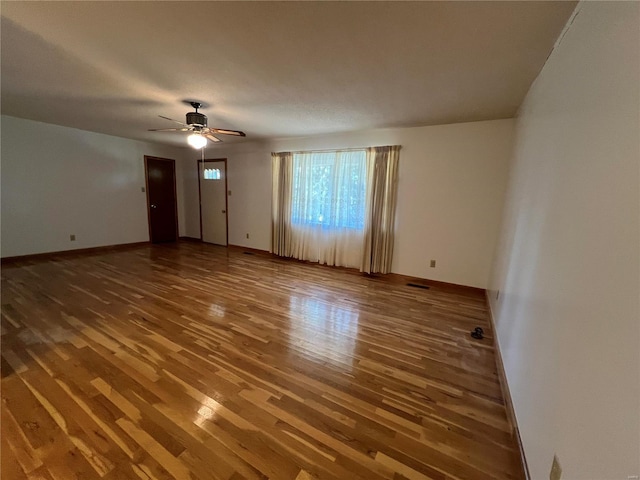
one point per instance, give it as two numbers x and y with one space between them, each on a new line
195 118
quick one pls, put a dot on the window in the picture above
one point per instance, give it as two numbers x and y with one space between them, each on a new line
321 200
329 189
212 174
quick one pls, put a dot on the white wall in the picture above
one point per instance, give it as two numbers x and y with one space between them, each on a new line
567 265
452 181
188 194
451 189
58 181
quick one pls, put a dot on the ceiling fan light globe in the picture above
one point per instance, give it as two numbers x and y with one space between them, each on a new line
196 140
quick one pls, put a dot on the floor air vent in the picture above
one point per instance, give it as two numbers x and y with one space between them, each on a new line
248 253
417 285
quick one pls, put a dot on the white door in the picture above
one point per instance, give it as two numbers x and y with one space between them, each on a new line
213 201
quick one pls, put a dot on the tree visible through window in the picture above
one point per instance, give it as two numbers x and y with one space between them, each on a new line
329 189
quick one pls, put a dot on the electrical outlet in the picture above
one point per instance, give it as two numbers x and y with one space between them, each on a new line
247 235
72 238
556 469
432 264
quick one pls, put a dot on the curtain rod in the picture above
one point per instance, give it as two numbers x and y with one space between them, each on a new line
336 149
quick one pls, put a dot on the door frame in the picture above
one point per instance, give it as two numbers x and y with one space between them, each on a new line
226 194
175 193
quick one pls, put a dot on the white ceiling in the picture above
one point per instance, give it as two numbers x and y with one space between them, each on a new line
272 69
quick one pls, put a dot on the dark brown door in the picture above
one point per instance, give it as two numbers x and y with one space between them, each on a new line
161 199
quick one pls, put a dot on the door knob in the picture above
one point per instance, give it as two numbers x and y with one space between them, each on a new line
153 206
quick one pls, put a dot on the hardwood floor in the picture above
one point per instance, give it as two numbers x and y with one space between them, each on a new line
192 361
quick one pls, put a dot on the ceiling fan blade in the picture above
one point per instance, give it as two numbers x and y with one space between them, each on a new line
212 138
169 129
228 132
172 120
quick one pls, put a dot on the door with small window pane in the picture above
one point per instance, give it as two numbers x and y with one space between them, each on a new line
213 201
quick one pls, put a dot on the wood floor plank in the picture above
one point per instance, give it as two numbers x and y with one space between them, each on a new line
192 361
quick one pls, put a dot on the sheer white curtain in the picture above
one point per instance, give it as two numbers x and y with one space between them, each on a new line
328 207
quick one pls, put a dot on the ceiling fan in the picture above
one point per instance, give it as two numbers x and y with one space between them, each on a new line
197 123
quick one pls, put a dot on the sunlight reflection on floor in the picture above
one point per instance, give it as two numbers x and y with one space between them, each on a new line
206 411
322 330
